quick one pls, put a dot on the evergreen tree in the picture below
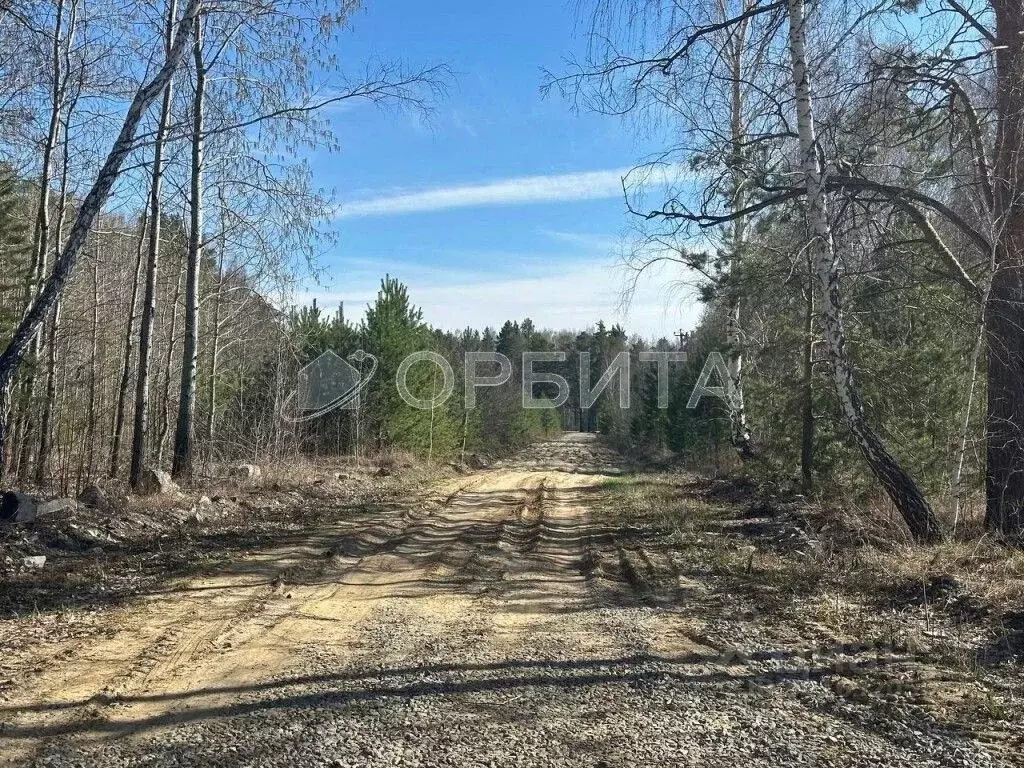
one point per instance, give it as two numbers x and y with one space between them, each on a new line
393 330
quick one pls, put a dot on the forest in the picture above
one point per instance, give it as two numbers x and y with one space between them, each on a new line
239 527
854 236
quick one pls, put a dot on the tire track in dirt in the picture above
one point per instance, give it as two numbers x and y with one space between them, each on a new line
226 630
229 631
490 623
497 556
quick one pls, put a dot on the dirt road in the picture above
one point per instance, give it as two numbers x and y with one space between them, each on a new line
493 622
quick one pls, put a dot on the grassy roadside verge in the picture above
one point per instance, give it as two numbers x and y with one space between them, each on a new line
882 623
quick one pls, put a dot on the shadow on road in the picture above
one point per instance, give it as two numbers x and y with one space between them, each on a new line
347 688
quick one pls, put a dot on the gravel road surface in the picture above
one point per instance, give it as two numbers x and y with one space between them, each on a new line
478 626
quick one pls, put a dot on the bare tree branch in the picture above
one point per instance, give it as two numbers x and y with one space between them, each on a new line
972 20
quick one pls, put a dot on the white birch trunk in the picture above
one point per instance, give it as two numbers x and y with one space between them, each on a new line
900 487
140 427
182 464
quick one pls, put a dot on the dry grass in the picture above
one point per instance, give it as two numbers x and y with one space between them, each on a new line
990 570
796 575
297 473
844 571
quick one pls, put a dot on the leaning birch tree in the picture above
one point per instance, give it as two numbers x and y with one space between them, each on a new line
898 484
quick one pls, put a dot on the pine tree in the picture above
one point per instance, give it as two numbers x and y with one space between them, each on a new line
393 330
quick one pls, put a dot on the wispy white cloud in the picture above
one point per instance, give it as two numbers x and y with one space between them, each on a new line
591 185
522 190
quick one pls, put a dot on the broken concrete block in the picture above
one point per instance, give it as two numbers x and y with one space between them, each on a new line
156 481
18 507
94 496
245 472
44 508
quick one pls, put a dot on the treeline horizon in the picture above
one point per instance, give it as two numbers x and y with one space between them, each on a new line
394 328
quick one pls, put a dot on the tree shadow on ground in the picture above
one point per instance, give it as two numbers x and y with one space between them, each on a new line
529 562
164 562
481 688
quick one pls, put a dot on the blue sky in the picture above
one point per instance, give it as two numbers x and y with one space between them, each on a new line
504 204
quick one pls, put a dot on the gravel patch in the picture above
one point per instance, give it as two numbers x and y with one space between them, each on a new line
447 696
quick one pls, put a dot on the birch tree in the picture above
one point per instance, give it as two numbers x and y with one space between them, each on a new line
140 427
708 88
61 36
788 116
190 354
92 204
900 487
128 346
973 201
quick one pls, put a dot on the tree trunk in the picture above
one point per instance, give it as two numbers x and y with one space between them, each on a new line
46 422
141 423
355 445
956 481
90 423
211 409
739 429
1004 318
117 431
65 431
165 399
900 487
807 394
90 207
465 435
430 448
1004 479
211 414
25 433
5 412
182 464
87 451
